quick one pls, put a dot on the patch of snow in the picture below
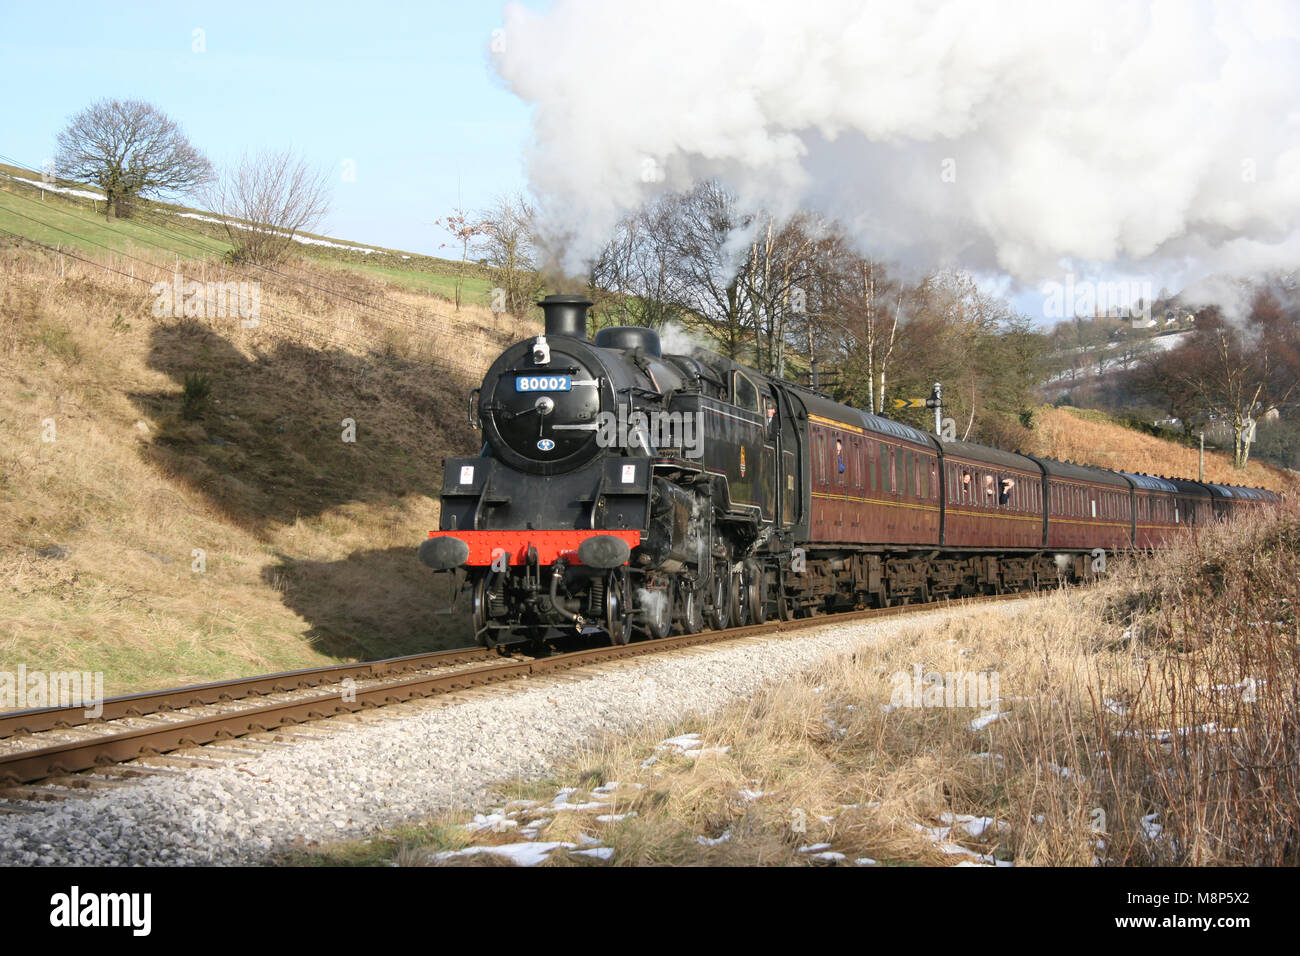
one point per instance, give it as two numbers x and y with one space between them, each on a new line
521 854
493 821
979 723
65 190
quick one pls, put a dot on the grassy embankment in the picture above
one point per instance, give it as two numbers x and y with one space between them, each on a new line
306 540
1152 720
1093 438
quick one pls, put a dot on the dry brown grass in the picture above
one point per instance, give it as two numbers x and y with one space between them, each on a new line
1152 720
309 541
1066 435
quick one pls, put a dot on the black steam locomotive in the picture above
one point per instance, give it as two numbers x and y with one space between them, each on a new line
622 490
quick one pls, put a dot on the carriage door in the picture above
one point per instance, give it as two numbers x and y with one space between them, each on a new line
767 467
784 447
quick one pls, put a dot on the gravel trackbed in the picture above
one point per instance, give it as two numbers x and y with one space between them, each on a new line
365 776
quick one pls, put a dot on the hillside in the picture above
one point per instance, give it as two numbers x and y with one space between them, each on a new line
1092 438
252 537
67 214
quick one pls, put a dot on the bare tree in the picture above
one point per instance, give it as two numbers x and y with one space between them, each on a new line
468 232
265 201
1242 373
129 149
507 243
873 305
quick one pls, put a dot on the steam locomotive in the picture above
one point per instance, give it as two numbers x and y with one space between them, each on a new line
625 491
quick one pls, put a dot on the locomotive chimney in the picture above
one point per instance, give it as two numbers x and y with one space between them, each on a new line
566 315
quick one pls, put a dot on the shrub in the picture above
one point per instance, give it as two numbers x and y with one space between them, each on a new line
194 395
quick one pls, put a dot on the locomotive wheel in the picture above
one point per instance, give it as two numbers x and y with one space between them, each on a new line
720 612
741 605
616 623
757 591
659 611
783 609
479 610
690 604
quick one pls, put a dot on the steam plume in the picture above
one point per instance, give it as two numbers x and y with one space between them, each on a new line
1010 136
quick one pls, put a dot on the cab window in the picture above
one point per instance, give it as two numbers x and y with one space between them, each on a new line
745 395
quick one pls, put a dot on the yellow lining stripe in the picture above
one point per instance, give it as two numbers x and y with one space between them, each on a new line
876 501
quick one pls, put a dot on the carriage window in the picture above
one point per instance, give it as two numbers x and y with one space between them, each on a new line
819 465
838 464
871 464
892 474
1005 486
856 461
743 392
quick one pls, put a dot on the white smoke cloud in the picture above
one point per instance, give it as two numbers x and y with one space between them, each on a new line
676 340
1018 137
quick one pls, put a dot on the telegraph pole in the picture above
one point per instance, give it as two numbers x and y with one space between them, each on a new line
1200 472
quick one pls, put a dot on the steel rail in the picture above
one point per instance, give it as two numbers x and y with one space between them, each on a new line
74 756
40 719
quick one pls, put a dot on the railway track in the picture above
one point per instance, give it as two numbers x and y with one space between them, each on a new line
58 743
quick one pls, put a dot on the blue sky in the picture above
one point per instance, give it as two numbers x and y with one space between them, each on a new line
403 90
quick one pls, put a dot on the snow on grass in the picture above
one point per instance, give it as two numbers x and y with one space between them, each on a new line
979 723
526 854
495 822
305 240
65 190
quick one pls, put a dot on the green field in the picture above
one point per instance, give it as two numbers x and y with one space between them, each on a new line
157 233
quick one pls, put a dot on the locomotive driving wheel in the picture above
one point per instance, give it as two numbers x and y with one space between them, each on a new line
617 625
659 610
720 612
757 577
690 607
